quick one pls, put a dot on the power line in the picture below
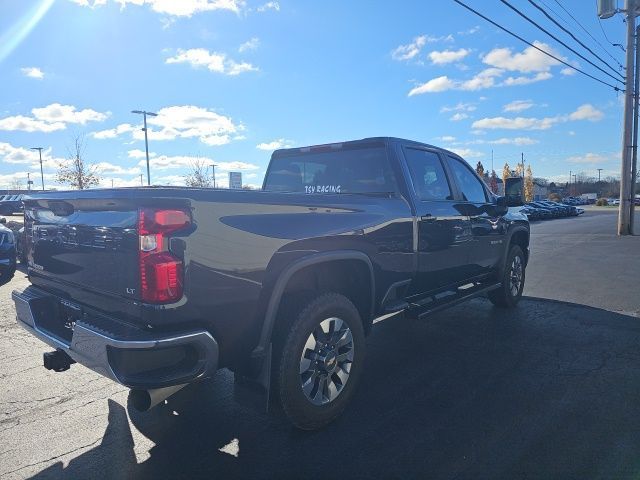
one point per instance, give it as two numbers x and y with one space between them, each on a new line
573 36
504 29
589 33
607 38
559 41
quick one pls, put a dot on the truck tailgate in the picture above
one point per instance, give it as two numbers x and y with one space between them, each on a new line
88 243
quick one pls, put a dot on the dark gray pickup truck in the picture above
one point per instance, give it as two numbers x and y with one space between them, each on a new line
158 288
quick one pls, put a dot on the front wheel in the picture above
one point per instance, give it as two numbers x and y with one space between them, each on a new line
320 360
510 291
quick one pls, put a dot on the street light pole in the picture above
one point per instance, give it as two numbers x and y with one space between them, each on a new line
41 171
213 172
144 114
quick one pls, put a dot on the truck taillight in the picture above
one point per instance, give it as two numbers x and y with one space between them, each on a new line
161 273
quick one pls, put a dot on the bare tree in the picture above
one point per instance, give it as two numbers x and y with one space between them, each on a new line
199 175
74 172
16 184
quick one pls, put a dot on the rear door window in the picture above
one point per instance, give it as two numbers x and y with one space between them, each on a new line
332 170
427 174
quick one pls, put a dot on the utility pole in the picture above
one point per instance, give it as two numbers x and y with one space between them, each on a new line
144 114
634 157
112 183
41 171
213 172
627 140
570 194
141 184
29 181
599 170
575 184
522 162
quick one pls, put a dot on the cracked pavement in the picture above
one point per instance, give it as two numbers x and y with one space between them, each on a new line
548 390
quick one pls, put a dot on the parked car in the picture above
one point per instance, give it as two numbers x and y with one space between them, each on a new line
10 204
157 288
7 255
566 210
539 213
553 211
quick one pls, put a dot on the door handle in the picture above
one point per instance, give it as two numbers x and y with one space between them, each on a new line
428 218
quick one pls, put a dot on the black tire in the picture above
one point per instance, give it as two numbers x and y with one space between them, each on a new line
507 296
327 366
6 275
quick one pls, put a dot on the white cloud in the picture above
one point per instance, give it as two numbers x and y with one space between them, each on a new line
29 124
459 107
470 31
500 60
51 118
568 71
484 79
213 61
467 152
137 153
106 168
269 6
168 162
524 80
587 112
517 123
446 138
32 72
178 8
413 49
439 84
113 132
527 61
456 117
514 141
184 121
590 158
20 155
67 114
518 106
584 112
250 44
275 144
410 50
448 56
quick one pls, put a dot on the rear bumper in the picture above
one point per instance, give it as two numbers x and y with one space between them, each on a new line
131 356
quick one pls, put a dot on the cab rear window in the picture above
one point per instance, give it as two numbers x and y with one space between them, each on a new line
359 170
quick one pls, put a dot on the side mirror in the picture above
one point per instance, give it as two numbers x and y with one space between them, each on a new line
3 220
513 191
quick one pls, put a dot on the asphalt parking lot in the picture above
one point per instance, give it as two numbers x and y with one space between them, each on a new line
548 390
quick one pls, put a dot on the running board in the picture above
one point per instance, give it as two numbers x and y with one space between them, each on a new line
434 303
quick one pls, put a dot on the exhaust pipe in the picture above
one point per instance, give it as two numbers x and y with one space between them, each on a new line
145 400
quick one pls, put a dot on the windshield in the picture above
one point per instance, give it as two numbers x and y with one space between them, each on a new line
360 170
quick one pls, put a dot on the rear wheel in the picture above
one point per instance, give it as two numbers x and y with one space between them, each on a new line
320 360
510 291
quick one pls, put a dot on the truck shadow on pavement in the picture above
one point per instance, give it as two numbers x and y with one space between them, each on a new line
548 390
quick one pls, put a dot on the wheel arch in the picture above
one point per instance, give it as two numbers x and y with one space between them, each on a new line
310 264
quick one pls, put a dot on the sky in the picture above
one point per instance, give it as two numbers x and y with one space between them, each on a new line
231 80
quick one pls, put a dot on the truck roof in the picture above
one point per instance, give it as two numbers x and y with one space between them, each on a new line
353 143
